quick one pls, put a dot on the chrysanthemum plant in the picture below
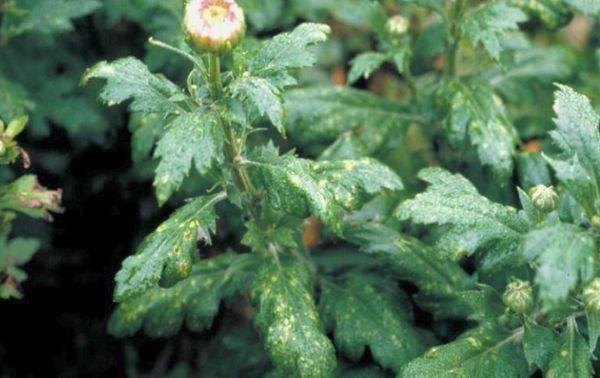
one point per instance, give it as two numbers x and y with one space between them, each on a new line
22 196
532 303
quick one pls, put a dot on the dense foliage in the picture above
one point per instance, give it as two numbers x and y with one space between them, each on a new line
434 211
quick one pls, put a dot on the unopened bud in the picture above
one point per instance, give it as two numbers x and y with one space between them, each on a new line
214 25
544 198
591 296
397 25
518 296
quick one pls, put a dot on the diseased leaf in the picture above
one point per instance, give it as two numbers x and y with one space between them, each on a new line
195 300
476 113
482 352
287 50
301 187
264 96
444 288
14 99
288 321
539 344
13 255
565 256
593 327
553 13
572 360
578 137
489 23
365 64
43 16
323 113
191 137
473 223
130 79
366 311
167 253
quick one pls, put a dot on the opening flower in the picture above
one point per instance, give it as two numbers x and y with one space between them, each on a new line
214 25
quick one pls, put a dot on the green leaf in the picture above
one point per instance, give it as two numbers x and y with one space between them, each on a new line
565 256
577 136
474 111
593 326
589 7
553 13
365 64
482 352
572 360
43 16
287 50
365 311
14 99
167 253
472 222
162 311
264 96
539 345
191 137
13 255
323 113
288 321
489 23
25 195
444 288
130 79
302 187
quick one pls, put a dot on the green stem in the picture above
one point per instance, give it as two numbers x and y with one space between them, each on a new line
214 74
453 42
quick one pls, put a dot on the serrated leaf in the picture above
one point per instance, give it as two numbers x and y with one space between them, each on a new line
190 138
444 288
264 96
593 327
43 16
572 360
365 64
13 255
577 136
287 50
130 79
365 311
565 256
489 23
553 13
475 112
14 99
539 345
288 321
323 113
326 189
195 300
167 253
482 352
474 223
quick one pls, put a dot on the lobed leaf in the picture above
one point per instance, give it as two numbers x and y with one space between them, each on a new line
195 300
365 311
539 345
167 253
289 323
482 352
301 187
476 113
264 96
365 64
578 138
473 223
191 137
565 256
489 23
130 79
572 359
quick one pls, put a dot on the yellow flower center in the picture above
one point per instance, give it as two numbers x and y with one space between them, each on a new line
214 15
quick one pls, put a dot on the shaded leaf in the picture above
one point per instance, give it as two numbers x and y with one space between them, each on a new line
365 64
572 360
539 344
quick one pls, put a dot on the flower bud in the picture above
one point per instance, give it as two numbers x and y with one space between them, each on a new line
544 198
397 25
518 296
214 25
591 296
